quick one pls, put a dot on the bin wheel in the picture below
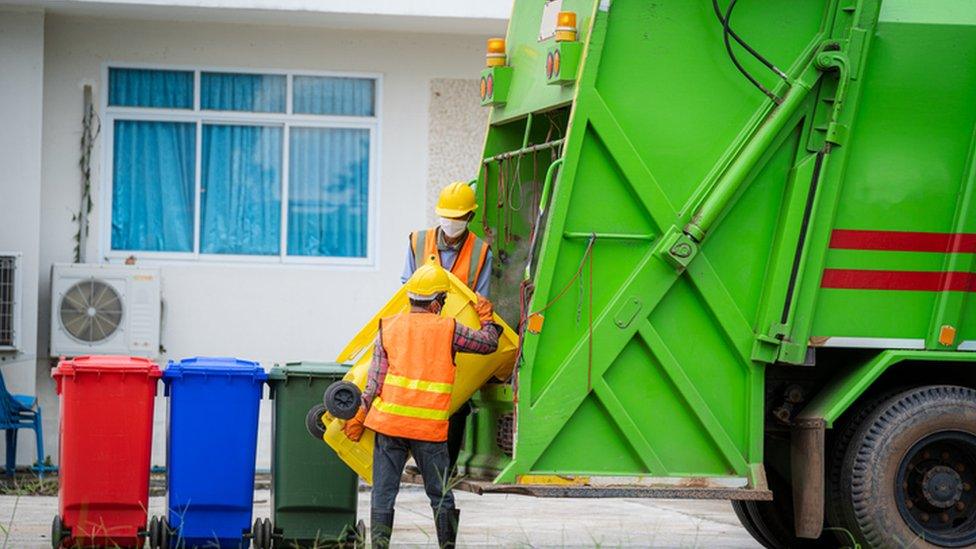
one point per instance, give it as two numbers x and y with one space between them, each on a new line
261 534
342 399
313 422
58 532
153 533
267 533
256 534
159 533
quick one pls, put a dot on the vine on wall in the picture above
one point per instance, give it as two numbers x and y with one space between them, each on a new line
91 126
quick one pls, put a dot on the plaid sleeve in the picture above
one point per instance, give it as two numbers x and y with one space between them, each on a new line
482 342
377 372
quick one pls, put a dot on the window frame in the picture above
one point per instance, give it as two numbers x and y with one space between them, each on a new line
286 120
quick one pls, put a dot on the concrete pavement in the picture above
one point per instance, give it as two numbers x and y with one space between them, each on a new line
491 520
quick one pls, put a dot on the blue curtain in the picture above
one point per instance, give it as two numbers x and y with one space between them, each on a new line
152 186
328 195
150 88
333 95
241 190
242 92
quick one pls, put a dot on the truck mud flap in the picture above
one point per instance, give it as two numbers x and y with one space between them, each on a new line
807 467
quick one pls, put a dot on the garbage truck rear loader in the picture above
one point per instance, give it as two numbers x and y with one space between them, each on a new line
737 239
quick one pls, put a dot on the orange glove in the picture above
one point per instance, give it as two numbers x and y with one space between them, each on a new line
354 427
484 309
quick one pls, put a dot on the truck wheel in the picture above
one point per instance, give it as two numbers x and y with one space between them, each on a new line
912 471
342 399
771 522
844 432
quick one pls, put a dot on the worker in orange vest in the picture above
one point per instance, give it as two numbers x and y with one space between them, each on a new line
460 251
408 396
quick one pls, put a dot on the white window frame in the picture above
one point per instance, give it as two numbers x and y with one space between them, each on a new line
199 117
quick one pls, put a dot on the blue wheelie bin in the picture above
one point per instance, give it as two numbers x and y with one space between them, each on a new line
211 445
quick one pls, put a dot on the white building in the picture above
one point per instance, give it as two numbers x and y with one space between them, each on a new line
324 128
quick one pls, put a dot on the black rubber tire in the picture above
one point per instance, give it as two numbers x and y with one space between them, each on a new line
745 516
268 533
164 533
257 534
844 431
153 533
313 422
342 399
771 522
876 452
57 532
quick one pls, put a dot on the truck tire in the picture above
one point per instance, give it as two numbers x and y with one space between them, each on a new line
771 522
844 432
922 442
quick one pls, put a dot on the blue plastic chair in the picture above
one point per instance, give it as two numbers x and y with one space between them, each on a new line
20 412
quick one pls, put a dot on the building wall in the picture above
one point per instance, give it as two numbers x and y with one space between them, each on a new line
457 135
269 313
21 80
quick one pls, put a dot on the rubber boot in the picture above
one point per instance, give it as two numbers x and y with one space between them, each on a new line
380 528
446 523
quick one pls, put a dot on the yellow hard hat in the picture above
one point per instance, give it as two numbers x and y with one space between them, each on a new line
428 280
456 200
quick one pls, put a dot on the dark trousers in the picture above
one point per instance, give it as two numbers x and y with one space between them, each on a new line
390 456
455 432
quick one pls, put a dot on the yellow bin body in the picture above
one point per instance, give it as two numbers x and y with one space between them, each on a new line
472 370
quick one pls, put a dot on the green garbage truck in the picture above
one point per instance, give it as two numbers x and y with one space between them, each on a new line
737 239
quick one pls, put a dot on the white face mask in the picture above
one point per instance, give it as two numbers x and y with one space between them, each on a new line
453 227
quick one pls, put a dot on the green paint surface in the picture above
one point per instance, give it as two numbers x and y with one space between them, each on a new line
643 367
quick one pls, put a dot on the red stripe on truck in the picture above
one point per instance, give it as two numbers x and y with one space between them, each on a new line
922 281
903 241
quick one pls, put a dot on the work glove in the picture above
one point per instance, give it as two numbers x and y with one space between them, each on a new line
484 309
353 429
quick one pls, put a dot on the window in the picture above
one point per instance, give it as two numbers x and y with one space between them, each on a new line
265 166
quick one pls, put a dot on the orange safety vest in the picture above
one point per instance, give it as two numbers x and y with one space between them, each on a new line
415 399
468 263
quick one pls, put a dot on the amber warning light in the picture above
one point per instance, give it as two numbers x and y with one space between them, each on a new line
566 26
495 56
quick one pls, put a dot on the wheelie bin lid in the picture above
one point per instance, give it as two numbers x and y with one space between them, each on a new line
214 366
106 364
307 369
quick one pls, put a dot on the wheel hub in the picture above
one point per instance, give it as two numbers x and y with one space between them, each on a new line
936 492
942 486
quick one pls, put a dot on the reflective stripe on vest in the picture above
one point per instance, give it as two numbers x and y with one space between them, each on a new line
415 398
407 383
409 411
468 262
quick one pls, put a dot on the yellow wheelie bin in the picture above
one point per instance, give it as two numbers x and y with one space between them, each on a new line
472 370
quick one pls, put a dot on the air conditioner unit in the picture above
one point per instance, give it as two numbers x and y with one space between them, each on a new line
104 309
10 300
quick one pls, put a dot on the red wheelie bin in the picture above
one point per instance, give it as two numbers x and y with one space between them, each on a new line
106 440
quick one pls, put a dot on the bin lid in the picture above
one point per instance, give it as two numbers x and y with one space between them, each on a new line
308 368
106 364
214 366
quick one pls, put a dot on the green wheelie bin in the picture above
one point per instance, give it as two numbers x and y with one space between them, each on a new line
313 493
